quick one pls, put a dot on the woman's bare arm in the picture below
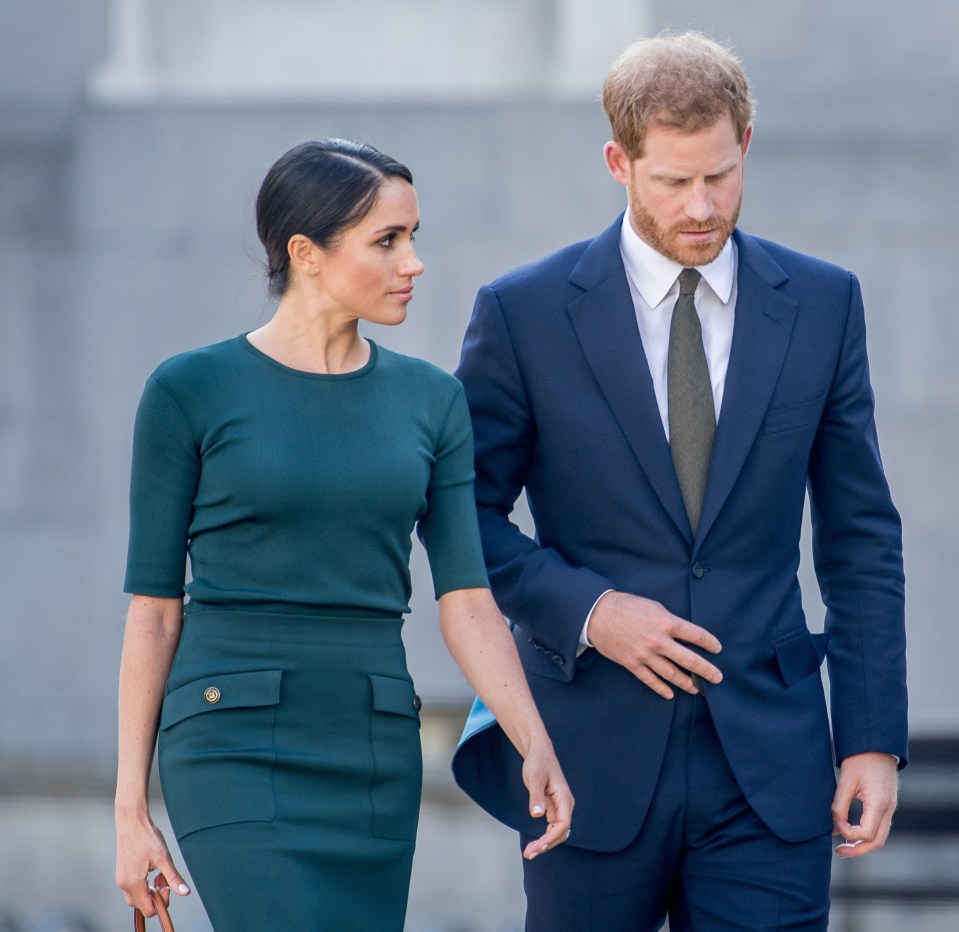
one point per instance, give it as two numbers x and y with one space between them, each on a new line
478 639
150 640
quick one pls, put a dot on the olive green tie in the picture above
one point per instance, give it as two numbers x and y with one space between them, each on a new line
692 415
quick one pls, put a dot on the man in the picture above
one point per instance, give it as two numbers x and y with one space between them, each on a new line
666 393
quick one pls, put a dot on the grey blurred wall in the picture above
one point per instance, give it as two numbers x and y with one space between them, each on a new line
134 134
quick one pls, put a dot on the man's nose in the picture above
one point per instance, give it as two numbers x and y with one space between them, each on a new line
699 204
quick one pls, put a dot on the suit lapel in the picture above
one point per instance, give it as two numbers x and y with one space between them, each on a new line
604 321
761 333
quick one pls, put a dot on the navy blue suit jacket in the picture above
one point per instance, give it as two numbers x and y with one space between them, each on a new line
563 405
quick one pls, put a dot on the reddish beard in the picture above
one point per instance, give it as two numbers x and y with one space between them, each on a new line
668 243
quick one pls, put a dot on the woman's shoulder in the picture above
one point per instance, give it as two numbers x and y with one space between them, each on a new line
197 365
415 371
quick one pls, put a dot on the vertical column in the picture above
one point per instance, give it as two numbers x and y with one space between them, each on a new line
587 36
128 70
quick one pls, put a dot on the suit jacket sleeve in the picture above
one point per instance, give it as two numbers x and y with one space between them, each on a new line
535 586
857 549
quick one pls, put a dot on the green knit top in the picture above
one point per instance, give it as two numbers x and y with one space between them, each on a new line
298 492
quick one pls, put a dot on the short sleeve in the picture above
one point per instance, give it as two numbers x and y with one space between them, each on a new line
163 481
449 530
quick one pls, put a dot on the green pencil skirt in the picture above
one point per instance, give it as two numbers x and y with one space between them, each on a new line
290 762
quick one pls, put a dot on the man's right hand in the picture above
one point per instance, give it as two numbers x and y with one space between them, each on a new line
640 635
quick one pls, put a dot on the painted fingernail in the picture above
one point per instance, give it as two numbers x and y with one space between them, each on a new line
538 809
183 888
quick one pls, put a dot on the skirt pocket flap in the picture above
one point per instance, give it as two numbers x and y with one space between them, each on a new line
391 694
221 691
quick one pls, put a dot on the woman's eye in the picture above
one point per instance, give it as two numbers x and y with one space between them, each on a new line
387 240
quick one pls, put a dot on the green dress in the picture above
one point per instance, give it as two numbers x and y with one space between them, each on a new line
289 745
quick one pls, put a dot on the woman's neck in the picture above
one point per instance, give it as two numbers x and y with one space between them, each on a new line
311 342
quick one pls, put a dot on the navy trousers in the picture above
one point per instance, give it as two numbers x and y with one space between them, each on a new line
703 858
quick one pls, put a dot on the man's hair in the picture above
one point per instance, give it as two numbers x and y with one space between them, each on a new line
683 81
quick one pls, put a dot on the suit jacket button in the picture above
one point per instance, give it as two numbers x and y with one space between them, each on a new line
699 569
212 695
417 703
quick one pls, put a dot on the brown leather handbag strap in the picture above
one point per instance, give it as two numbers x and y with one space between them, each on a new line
163 914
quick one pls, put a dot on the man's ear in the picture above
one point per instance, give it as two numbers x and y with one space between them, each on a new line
617 161
747 138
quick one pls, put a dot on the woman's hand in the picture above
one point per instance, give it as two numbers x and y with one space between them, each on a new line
141 849
549 795
477 637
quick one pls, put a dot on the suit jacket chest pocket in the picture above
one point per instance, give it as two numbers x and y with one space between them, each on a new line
793 417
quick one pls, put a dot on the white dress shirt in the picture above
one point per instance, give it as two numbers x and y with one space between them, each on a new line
654 285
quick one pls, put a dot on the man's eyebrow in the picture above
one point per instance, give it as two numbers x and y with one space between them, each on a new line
666 172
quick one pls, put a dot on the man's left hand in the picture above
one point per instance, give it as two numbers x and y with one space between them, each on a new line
873 779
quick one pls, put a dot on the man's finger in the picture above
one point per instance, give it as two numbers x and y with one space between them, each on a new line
693 634
646 676
690 662
873 827
674 675
841 802
859 848
687 660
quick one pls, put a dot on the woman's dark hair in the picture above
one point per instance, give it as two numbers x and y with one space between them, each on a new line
319 189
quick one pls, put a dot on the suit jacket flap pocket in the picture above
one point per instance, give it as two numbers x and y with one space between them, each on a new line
221 691
391 694
799 654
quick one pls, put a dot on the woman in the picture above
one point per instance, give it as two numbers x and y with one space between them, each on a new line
291 464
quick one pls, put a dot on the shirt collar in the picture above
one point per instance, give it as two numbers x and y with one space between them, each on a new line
653 274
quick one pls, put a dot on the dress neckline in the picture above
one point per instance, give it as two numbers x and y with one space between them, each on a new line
302 373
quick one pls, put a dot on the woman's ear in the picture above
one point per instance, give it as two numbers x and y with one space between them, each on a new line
304 255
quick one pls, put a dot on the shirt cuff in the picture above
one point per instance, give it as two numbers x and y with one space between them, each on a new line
584 642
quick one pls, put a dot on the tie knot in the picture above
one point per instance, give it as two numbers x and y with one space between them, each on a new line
688 280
